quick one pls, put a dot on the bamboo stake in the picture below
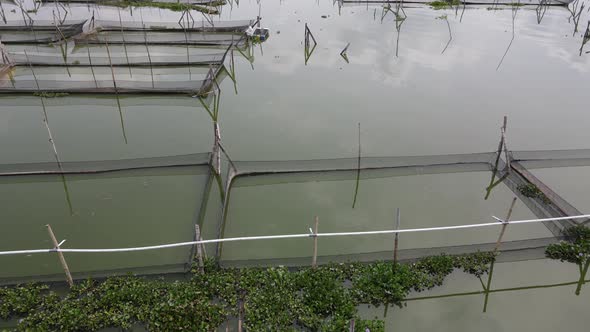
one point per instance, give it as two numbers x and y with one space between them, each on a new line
116 91
124 44
395 243
241 316
148 53
491 273
315 244
506 155
504 225
91 68
351 328
358 169
199 249
62 259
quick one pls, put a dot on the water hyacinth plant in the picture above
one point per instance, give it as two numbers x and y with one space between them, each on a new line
575 249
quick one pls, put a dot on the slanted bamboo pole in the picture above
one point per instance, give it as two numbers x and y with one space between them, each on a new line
124 44
199 249
504 225
91 68
396 241
116 92
491 273
62 259
314 261
148 54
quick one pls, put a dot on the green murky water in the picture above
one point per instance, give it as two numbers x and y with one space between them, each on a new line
412 94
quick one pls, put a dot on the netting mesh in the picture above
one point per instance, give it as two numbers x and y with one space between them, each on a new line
104 165
552 158
210 26
102 59
183 80
41 25
511 251
477 161
166 38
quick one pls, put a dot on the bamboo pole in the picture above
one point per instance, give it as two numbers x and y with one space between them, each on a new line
91 68
395 243
62 259
358 169
504 225
241 316
199 249
491 273
148 54
124 44
116 91
315 243
351 327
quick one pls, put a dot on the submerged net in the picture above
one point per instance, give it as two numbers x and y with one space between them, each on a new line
187 2
186 80
167 38
196 26
100 166
511 251
468 2
41 25
131 59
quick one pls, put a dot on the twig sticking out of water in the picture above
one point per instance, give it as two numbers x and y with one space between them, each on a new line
2 14
444 17
343 54
586 38
307 43
64 53
501 147
575 9
514 13
541 10
358 169
462 11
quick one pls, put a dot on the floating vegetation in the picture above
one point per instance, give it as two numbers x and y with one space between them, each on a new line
50 94
174 6
576 250
270 299
444 4
531 191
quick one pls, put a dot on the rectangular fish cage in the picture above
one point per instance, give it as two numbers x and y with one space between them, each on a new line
105 80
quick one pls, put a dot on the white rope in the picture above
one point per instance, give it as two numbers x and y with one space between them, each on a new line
292 236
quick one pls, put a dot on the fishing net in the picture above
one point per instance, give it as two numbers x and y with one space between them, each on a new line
268 173
131 59
166 38
194 26
42 25
169 80
106 209
101 166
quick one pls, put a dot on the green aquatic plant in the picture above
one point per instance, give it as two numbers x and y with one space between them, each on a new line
173 6
444 4
267 299
50 94
532 191
575 249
